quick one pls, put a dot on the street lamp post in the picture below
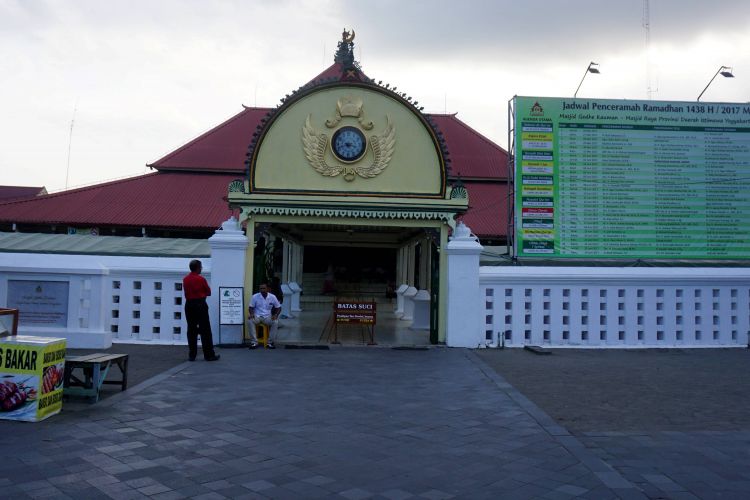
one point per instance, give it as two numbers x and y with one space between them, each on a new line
591 69
725 71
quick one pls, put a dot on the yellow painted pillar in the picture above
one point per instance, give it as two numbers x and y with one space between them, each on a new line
249 261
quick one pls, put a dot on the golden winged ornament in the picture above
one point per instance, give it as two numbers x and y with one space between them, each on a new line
315 145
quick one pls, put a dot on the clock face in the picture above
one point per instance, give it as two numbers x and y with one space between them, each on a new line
348 144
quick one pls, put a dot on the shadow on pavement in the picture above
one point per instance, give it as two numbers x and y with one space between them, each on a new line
145 361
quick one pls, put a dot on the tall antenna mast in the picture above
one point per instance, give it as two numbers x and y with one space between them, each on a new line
70 143
647 26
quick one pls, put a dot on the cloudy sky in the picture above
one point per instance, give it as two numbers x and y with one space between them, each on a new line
139 78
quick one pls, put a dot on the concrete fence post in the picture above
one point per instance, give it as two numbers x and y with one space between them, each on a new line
464 314
228 246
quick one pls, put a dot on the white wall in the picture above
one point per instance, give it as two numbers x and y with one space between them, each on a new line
111 298
140 299
615 307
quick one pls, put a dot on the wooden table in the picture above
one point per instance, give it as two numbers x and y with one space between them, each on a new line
94 369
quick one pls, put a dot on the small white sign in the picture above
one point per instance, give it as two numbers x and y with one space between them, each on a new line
231 305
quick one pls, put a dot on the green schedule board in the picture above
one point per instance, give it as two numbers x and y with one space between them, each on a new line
598 178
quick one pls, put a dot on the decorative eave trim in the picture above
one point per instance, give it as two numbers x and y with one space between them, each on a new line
248 211
456 202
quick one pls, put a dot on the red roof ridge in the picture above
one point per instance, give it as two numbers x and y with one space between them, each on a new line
38 188
202 136
336 70
79 189
467 127
8 193
257 108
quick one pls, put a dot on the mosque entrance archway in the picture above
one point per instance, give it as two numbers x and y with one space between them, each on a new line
365 262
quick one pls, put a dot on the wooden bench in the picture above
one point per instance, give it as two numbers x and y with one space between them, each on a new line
94 368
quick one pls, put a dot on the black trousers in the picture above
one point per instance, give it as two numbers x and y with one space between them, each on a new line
196 315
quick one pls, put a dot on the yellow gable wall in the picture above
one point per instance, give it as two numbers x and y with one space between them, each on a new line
281 164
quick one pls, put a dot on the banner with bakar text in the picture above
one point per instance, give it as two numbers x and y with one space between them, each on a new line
31 377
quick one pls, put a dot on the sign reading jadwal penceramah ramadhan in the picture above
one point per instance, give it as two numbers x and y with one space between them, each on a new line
598 178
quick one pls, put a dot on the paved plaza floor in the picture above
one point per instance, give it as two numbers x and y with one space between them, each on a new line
374 422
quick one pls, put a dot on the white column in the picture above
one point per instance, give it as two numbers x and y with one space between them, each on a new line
286 264
464 312
295 277
301 268
401 271
293 260
424 264
410 261
398 266
228 246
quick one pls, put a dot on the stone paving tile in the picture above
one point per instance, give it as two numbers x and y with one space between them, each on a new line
259 485
209 496
663 464
396 494
49 492
356 423
87 493
169 495
153 489
356 494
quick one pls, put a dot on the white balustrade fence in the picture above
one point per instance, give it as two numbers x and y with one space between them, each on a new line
134 299
145 306
121 298
616 307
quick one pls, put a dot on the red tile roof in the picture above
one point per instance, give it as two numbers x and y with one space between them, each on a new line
15 192
221 149
162 199
471 153
488 209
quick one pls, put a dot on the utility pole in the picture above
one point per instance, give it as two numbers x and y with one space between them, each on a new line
70 142
647 26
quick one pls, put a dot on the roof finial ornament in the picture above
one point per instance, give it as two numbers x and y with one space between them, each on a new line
345 55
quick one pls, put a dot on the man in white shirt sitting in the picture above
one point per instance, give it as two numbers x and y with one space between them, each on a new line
264 308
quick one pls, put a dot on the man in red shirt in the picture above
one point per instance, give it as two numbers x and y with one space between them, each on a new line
196 290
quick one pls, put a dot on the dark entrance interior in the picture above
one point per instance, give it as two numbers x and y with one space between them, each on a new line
352 270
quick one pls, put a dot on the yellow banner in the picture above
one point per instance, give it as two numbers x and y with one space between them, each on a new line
536 136
539 234
31 377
